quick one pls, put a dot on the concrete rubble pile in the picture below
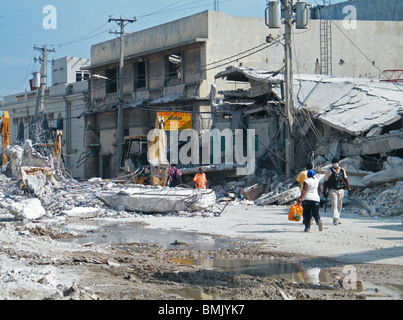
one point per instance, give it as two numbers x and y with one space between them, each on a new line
98 198
266 187
376 194
382 195
31 188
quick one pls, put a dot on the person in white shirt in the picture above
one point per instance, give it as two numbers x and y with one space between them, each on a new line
310 198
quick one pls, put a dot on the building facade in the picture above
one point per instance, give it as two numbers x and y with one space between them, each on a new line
172 67
64 104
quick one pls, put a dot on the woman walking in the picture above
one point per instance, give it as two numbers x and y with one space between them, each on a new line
310 198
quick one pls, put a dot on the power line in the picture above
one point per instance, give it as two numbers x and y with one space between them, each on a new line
82 38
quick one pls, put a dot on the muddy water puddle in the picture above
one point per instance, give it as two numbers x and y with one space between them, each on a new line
135 236
132 233
278 269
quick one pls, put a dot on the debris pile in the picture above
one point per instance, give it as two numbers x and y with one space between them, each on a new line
266 187
381 201
33 189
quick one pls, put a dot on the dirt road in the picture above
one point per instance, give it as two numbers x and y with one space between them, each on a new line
266 257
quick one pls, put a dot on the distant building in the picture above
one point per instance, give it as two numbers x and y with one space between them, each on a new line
366 10
64 103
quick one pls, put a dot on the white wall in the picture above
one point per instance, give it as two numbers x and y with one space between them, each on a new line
64 69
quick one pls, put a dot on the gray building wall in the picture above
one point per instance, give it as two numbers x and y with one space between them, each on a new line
217 37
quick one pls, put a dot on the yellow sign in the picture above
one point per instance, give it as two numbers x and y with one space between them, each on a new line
177 120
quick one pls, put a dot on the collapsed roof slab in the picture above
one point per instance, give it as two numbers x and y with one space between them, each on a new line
351 105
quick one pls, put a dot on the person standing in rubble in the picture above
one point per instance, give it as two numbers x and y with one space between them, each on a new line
200 180
336 181
310 198
175 177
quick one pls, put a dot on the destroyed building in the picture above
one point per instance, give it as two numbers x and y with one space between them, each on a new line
334 117
64 103
171 68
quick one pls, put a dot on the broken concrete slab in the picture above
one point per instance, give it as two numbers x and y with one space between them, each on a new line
281 198
25 155
384 176
392 162
30 209
155 199
35 179
94 180
82 212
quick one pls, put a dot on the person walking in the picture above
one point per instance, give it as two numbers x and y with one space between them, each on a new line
310 198
200 180
336 181
175 177
302 175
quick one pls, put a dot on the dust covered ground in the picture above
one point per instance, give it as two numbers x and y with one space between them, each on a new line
37 263
247 252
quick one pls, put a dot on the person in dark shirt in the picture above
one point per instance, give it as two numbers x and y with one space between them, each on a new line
336 181
175 177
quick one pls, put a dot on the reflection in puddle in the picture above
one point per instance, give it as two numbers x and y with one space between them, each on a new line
259 268
277 269
193 293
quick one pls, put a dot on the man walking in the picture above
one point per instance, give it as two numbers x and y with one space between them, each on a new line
336 181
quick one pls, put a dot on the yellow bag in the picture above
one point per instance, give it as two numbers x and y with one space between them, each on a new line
295 212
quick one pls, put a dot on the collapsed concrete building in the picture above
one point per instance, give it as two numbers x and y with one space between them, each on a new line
172 67
334 117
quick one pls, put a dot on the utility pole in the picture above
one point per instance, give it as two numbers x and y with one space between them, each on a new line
121 23
273 21
288 82
40 97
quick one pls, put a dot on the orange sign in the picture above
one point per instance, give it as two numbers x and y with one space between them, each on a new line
177 120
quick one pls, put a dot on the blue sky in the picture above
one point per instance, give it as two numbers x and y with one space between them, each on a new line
81 23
